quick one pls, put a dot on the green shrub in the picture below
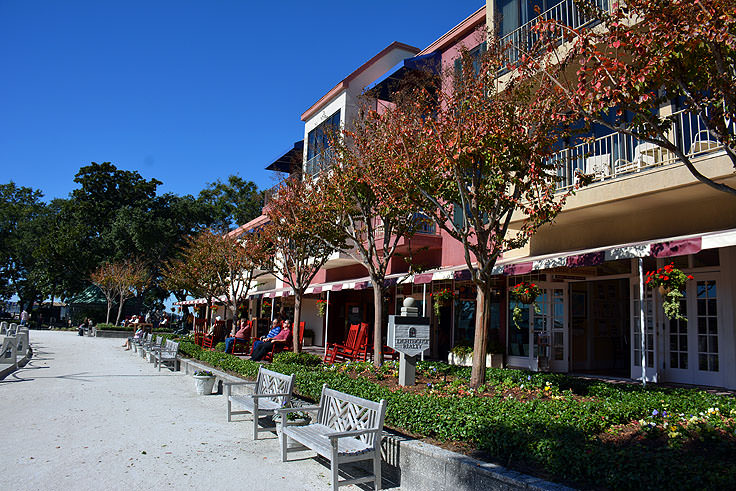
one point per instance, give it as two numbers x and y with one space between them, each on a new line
306 359
220 347
558 436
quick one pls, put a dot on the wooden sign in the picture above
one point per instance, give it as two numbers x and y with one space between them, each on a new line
408 335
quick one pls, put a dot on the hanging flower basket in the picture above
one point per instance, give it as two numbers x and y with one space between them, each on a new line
266 308
441 298
525 293
670 282
322 307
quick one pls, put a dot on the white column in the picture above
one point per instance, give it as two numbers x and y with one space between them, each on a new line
327 320
642 324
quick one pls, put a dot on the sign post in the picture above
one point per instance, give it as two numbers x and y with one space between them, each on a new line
409 335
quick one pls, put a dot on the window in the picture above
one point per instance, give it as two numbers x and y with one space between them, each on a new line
318 138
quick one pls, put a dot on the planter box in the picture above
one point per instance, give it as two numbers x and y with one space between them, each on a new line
105 333
493 360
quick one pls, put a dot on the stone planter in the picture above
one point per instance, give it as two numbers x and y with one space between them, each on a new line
204 384
493 360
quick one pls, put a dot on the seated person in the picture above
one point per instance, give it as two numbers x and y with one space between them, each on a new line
284 336
275 329
241 336
138 335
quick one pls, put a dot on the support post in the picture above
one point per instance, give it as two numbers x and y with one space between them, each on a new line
407 370
424 306
327 320
642 324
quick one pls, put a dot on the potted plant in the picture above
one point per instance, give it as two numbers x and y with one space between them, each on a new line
204 381
441 298
297 418
308 337
670 282
525 293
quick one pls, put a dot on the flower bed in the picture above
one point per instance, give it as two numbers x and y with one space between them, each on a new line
589 434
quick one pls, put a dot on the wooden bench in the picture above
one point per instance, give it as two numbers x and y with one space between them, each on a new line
271 391
167 355
346 429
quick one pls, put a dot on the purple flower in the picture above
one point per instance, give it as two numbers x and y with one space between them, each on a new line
655 412
664 414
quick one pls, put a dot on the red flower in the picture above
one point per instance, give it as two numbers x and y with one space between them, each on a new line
690 277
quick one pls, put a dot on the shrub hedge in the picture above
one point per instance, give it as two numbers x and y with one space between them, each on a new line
560 436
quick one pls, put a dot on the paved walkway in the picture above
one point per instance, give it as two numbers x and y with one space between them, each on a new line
85 414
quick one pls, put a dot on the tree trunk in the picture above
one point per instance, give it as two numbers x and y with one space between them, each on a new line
109 308
120 309
378 290
480 343
297 320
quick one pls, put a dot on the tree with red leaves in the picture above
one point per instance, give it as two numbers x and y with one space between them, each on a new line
297 238
371 220
472 156
638 61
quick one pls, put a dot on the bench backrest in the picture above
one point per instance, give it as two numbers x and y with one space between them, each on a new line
344 412
172 347
270 382
3 327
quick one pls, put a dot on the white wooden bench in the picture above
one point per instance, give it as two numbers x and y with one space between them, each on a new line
271 391
141 342
167 355
346 429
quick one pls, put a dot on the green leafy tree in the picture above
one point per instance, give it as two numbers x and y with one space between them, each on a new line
232 203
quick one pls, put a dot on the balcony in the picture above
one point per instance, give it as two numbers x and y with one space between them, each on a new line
525 38
616 155
319 162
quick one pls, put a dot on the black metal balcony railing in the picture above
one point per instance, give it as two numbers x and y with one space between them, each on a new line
524 38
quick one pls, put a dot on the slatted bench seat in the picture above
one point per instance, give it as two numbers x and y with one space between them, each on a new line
271 391
167 355
346 429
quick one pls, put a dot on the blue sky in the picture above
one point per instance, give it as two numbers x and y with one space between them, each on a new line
183 91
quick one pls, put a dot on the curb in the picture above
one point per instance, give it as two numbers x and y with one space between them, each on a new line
417 466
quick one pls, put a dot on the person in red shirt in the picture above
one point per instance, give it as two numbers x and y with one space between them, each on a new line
241 336
265 347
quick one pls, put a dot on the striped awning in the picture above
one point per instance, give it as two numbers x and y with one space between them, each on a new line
660 248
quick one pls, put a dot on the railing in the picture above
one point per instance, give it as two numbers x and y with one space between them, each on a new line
319 162
270 194
616 154
524 38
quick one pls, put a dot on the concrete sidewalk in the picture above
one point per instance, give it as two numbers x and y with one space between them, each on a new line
85 414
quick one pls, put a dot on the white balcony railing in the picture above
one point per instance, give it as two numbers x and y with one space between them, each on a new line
615 154
524 38
319 162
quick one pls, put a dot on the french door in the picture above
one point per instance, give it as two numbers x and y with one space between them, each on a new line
692 353
540 340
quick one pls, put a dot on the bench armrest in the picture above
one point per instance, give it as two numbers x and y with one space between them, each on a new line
352 433
287 410
228 386
259 396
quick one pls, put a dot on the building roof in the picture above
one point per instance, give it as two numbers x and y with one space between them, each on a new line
464 28
90 295
346 81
